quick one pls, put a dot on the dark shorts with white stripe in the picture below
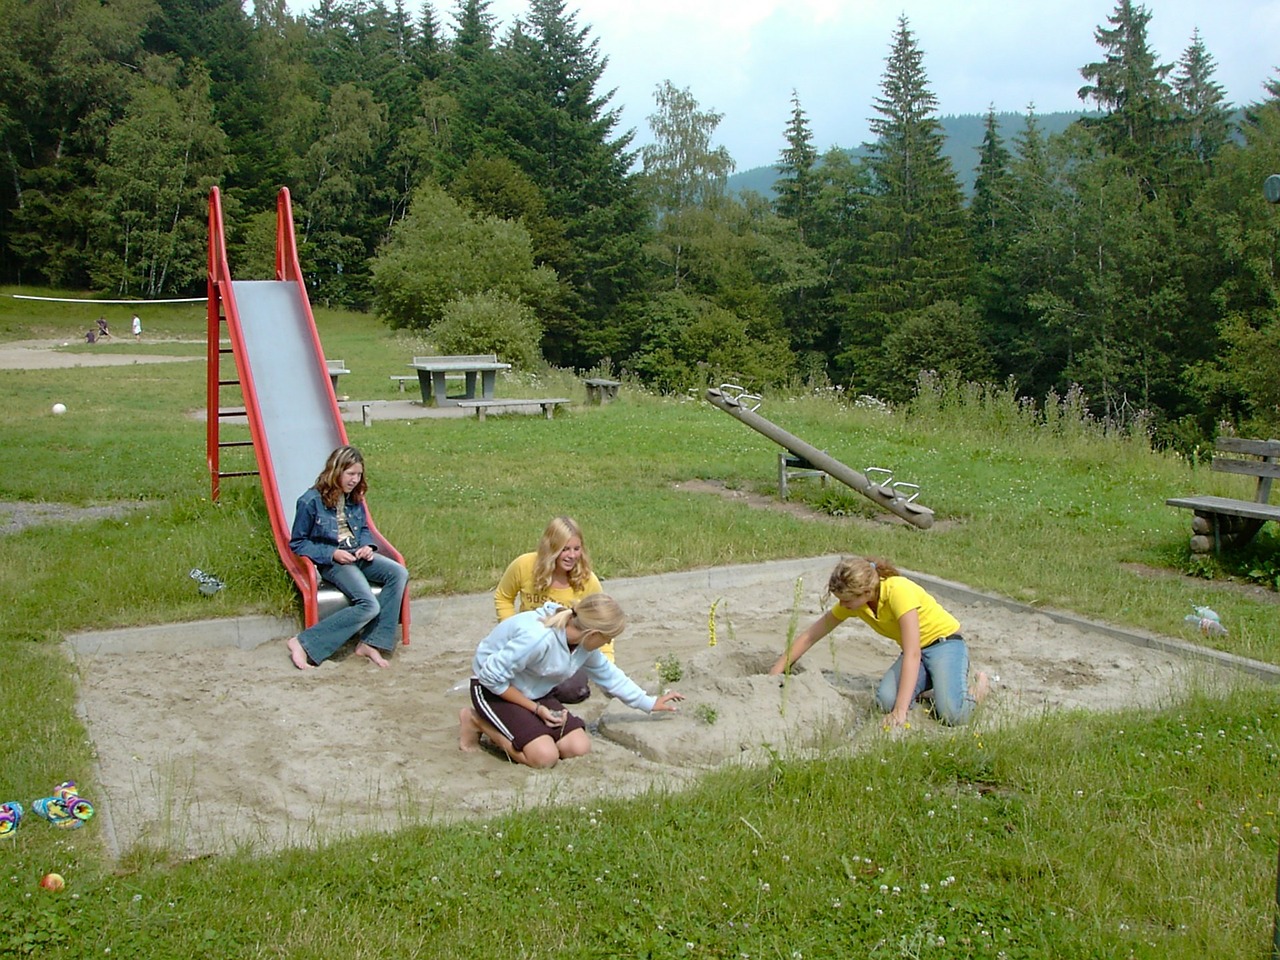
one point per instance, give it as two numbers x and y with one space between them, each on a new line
516 723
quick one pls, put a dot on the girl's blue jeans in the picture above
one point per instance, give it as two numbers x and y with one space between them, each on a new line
944 666
377 616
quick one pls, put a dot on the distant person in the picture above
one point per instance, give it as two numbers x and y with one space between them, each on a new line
91 336
330 529
103 331
520 662
558 570
137 327
934 655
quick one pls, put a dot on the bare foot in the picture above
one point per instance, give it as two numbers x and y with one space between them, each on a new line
981 687
468 731
373 653
298 655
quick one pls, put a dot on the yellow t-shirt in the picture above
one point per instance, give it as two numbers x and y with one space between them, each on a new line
897 596
517 584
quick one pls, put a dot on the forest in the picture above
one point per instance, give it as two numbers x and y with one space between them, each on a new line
472 182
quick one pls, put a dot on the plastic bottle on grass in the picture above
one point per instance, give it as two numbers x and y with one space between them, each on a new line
1206 621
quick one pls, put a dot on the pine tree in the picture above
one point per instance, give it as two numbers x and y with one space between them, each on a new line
796 187
1132 91
989 208
545 113
1204 112
915 253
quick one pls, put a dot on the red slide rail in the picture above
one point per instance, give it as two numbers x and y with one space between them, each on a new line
222 307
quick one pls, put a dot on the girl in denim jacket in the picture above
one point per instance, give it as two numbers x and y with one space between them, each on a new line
330 530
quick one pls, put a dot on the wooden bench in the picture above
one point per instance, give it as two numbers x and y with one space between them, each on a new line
601 391
548 405
1221 521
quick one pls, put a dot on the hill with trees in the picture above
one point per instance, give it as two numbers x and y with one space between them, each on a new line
474 184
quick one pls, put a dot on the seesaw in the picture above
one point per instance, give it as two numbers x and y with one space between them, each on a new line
898 497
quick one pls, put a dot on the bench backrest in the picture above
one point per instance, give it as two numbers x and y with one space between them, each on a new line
464 358
1240 459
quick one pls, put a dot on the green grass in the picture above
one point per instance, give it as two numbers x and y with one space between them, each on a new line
1145 834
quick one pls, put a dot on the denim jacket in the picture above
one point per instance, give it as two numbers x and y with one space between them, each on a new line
315 528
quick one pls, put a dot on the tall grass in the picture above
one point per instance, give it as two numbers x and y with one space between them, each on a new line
1143 834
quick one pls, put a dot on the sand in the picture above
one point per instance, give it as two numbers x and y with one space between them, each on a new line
205 748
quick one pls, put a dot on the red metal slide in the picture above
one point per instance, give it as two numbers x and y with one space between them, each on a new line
294 421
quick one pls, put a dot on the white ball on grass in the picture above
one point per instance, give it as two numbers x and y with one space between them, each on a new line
59 408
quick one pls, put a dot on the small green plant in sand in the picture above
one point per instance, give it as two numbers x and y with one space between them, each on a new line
706 713
797 593
670 669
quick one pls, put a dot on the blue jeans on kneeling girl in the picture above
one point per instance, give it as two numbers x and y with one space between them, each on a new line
944 666
379 617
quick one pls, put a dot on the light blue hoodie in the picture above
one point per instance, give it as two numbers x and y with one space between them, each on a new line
523 652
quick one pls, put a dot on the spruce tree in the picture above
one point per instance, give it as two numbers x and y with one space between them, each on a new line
1132 91
1203 110
547 114
915 252
796 187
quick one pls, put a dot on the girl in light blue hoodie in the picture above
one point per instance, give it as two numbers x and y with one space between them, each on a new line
520 662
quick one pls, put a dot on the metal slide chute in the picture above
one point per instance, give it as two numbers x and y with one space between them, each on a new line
897 497
279 367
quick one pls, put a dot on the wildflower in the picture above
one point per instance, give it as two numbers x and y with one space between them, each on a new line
711 623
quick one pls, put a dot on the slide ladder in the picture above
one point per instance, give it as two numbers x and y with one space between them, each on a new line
279 367
898 497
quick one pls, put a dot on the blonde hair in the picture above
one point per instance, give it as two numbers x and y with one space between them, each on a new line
857 575
559 532
329 483
596 612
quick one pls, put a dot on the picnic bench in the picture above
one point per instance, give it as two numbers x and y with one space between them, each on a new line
433 371
336 369
1222 521
548 405
400 379
601 391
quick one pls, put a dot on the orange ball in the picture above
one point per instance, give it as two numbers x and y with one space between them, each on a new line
53 881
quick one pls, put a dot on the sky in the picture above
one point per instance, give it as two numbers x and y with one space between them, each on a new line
743 58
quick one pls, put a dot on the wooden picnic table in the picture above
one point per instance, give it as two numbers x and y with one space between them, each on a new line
433 371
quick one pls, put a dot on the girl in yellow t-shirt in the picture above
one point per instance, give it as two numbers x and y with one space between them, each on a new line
934 655
558 570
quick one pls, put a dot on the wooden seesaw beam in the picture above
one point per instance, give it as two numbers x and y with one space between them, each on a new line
882 496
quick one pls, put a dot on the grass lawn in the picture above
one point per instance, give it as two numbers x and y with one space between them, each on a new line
1147 834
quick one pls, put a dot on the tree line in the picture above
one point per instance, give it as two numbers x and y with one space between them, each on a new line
475 183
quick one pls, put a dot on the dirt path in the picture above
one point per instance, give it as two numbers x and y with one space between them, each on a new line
45 355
